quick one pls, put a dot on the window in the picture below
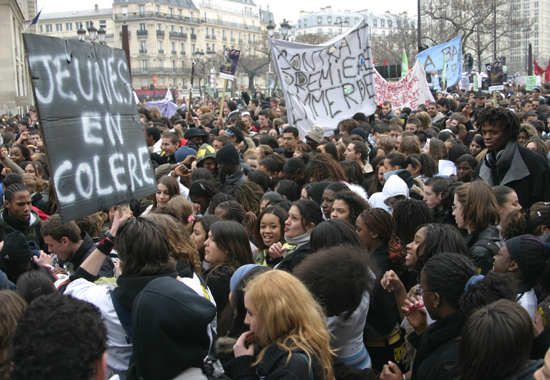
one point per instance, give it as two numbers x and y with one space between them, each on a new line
525 13
48 28
383 33
182 47
213 33
68 26
103 24
143 45
144 64
382 23
249 38
347 20
160 46
320 32
173 46
389 23
305 23
157 9
181 29
40 30
526 6
207 47
375 22
171 12
536 50
193 48
142 26
159 26
319 20
161 63
125 11
213 48
536 4
192 30
88 24
254 38
330 31
299 24
161 81
357 20
191 15
536 42
174 65
142 10
329 19
536 12
58 27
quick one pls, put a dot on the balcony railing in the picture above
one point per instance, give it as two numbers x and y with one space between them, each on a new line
178 35
193 36
236 25
142 51
158 70
141 32
161 51
160 33
224 38
232 39
182 52
167 16
174 52
213 37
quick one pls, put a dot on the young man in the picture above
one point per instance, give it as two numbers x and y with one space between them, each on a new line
507 163
263 120
359 152
231 172
152 138
71 246
291 137
387 112
435 115
413 124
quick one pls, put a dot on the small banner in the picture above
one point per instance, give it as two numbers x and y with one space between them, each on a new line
229 65
448 54
90 126
410 91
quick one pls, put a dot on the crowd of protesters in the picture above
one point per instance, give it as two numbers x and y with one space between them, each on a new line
407 244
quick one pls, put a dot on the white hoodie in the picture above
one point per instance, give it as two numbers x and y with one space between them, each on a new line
393 187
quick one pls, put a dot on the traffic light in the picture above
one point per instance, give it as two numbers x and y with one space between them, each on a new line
152 87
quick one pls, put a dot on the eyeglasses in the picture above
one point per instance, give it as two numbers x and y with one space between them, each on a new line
455 207
421 291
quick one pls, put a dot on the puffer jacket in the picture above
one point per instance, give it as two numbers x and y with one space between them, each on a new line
481 254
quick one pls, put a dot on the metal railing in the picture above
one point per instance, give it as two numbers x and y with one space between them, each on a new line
160 33
142 32
178 35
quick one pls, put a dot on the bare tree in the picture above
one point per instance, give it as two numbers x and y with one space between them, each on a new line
254 61
313 39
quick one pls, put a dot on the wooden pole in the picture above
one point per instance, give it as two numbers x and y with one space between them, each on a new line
189 115
223 98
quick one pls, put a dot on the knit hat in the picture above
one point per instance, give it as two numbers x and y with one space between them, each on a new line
183 152
16 247
316 191
316 133
239 274
228 155
359 132
294 165
480 94
205 151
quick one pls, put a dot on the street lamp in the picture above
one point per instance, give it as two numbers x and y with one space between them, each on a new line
92 30
285 28
101 33
270 29
341 22
81 33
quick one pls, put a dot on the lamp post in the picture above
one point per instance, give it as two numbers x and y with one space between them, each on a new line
92 31
270 29
81 33
101 33
285 28
341 22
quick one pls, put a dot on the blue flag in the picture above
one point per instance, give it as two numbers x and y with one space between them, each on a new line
449 53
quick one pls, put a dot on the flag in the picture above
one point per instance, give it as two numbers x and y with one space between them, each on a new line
168 97
373 62
34 21
404 65
547 72
538 69
386 62
154 79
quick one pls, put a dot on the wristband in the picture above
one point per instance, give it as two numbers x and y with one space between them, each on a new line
108 235
105 246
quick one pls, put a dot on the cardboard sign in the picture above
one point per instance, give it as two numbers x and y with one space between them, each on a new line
229 64
90 125
325 83
411 91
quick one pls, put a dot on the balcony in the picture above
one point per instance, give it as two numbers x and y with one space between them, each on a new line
141 32
141 70
236 25
142 51
161 51
182 53
178 35
232 39
224 38
129 34
174 52
207 36
158 70
213 37
193 36
160 33
156 15
240 41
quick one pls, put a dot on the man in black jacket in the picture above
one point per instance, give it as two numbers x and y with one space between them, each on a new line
509 164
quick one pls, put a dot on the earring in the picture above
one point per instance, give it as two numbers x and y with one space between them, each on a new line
436 304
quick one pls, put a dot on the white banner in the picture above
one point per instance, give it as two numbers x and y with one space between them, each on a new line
410 91
323 84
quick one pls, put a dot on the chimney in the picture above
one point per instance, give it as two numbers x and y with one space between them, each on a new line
96 8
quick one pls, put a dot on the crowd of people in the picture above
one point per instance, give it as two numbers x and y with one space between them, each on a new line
407 244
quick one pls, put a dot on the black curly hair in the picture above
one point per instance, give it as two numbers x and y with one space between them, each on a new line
506 118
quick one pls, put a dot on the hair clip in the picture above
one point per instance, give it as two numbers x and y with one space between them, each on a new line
202 186
539 214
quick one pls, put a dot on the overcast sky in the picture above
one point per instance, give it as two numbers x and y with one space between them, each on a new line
280 8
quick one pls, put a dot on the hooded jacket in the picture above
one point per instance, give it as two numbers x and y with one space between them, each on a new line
393 187
32 234
205 151
165 346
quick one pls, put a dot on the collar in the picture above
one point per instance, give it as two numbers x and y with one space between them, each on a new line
509 158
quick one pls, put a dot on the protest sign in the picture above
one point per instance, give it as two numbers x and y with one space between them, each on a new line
229 64
530 82
410 91
496 76
91 129
326 83
450 54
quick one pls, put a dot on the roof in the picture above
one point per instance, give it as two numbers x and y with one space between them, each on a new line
179 3
266 16
244 2
106 12
352 18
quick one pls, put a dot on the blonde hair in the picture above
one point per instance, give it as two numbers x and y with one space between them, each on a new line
183 208
425 120
155 113
291 318
35 184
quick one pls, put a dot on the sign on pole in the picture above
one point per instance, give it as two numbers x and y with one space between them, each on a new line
91 129
229 64
448 54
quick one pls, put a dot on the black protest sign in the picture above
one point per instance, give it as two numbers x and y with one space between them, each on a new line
91 129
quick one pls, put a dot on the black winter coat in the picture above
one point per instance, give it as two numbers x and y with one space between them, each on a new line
295 258
481 255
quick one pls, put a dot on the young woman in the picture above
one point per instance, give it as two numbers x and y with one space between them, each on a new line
535 221
507 200
347 206
226 249
37 187
422 167
200 193
439 197
289 325
19 154
269 229
476 210
437 150
329 194
303 216
524 258
168 188
442 283
35 169
382 335
465 167
477 145
199 233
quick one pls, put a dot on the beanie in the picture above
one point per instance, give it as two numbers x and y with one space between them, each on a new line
16 247
359 132
316 133
316 191
228 155
239 274
183 152
294 165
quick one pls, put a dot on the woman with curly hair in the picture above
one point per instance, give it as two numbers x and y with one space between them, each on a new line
347 206
268 230
290 328
324 168
382 334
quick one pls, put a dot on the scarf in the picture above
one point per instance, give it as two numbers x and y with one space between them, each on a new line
444 330
16 224
300 240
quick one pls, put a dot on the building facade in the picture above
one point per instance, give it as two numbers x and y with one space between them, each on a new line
16 93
